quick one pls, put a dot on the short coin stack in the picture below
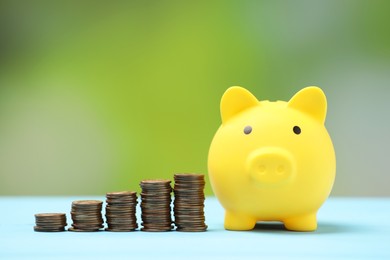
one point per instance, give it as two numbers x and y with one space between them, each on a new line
86 215
120 211
50 222
156 205
189 202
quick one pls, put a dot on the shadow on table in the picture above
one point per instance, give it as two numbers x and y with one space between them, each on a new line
323 228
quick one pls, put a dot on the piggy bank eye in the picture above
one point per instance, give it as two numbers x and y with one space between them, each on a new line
247 130
297 130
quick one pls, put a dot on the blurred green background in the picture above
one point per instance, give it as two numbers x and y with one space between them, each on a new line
97 95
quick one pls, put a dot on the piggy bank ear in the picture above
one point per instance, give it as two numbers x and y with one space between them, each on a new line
312 101
236 100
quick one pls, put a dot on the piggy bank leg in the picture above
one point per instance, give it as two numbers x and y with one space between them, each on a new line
236 221
302 223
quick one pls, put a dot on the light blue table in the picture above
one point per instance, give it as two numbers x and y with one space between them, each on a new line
349 228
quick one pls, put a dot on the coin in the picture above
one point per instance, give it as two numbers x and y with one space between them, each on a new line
119 229
82 230
42 229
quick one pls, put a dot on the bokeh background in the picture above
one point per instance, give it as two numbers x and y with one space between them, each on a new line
98 95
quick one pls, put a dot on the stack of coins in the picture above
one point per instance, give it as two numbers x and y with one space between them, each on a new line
156 205
120 211
50 222
189 202
86 215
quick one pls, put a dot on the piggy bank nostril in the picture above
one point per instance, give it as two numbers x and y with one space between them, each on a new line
262 169
280 170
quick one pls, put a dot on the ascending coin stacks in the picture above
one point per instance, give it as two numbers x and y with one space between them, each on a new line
156 212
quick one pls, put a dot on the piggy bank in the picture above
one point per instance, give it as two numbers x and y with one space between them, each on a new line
272 161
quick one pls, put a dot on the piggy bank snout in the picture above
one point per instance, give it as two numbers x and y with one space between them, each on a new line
271 165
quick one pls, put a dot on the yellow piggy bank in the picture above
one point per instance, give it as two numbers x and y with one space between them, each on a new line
272 161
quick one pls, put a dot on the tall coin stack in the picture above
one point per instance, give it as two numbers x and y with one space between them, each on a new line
120 211
189 202
86 215
156 205
50 222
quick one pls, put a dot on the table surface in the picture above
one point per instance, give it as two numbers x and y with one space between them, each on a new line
348 228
